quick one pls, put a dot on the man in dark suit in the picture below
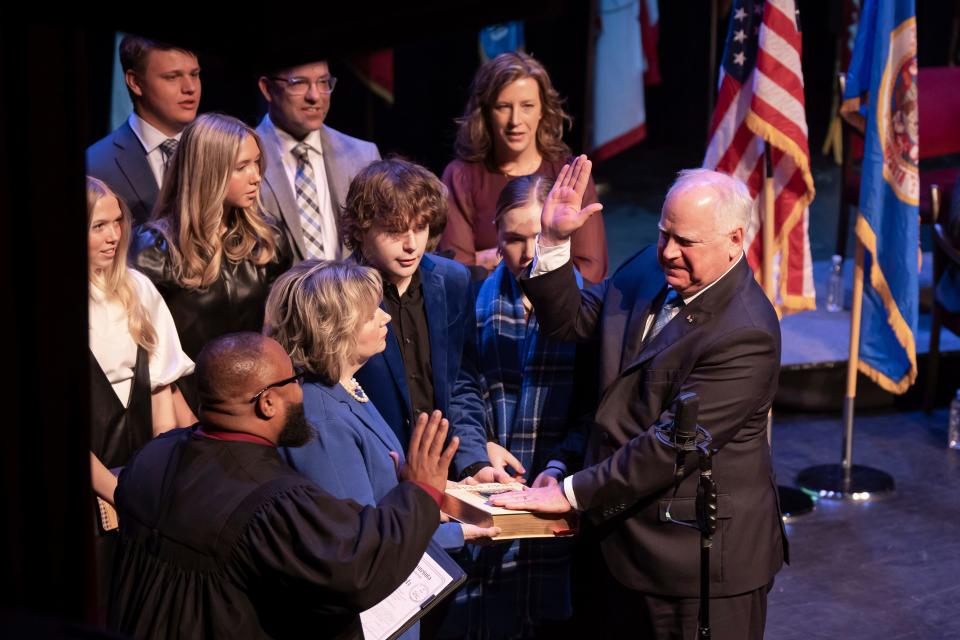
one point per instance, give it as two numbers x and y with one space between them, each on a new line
309 166
393 208
686 315
164 85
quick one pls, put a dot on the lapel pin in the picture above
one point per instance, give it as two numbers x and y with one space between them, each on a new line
691 318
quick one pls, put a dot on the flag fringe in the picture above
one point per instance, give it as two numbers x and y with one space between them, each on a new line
895 319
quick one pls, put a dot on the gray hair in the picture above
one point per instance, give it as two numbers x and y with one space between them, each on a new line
733 203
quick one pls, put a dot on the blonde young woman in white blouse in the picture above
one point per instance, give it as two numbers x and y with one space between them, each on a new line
132 336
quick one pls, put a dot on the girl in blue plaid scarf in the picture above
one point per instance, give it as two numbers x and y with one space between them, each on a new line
514 588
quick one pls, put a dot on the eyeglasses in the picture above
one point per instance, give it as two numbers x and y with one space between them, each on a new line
296 377
298 86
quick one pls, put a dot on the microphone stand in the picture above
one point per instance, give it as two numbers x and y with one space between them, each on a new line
707 524
684 436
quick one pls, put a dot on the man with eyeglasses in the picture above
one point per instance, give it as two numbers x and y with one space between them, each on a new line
163 81
219 538
309 166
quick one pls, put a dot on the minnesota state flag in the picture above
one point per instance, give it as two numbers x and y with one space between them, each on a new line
882 87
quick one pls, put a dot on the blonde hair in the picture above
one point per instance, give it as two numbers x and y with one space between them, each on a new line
190 212
115 281
315 310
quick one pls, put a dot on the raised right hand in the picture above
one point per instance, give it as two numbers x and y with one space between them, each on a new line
561 214
428 461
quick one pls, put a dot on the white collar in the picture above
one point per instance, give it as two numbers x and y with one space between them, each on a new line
150 137
693 297
288 142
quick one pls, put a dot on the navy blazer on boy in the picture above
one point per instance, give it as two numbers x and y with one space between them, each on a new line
452 320
119 160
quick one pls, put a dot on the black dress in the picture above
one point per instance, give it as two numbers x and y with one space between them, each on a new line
115 433
222 539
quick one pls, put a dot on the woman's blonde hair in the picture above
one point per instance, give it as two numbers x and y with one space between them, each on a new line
115 280
190 209
316 309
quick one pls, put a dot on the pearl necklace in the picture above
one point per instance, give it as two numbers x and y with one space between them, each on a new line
355 390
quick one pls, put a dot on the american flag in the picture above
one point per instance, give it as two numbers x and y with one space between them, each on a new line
761 100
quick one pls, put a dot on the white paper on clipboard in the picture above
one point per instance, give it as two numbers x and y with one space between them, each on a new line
426 582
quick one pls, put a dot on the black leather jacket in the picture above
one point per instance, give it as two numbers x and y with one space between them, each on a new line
235 302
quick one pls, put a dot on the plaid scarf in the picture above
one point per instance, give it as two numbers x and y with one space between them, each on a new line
527 378
527 384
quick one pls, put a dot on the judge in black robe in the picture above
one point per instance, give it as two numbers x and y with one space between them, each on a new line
221 539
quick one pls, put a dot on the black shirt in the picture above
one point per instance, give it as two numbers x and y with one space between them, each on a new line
413 335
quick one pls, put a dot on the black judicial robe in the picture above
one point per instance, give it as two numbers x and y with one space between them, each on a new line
221 539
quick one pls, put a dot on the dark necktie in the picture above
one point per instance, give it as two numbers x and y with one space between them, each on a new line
167 148
669 310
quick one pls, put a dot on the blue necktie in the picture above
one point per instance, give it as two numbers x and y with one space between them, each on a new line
669 310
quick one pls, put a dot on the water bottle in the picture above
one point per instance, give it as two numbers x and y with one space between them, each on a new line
953 430
835 286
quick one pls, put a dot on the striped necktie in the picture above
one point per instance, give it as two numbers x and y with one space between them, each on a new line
167 147
306 191
669 310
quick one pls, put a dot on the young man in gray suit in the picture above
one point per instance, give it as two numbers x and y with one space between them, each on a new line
309 166
164 84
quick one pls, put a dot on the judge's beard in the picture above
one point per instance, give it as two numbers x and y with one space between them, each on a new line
296 430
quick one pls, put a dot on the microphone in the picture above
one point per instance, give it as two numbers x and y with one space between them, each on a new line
687 405
683 434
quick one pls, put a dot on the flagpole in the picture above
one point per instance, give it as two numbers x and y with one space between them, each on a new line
793 502
848 480
853 358
769 221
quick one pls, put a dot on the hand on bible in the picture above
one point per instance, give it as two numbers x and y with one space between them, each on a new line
501 458
489 474
428 461
561 214
548 499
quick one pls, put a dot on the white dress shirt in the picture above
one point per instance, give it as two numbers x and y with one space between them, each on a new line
547 259
151 138
114 348
332 246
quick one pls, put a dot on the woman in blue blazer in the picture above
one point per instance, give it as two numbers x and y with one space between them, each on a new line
327 316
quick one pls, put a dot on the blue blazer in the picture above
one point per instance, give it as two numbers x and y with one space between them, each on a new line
451 317
350 457
119 160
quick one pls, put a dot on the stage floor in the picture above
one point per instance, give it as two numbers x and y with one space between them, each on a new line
889 568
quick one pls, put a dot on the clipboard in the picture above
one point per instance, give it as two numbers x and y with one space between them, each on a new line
418 594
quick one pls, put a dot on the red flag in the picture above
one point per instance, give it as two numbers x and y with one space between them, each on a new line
761 100
376 72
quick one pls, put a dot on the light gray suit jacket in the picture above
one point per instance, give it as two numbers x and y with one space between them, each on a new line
343 158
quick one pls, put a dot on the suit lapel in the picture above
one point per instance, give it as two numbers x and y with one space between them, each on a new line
275 179
338 182
132 163
435 303
694 315
394 360
338 394
647 294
